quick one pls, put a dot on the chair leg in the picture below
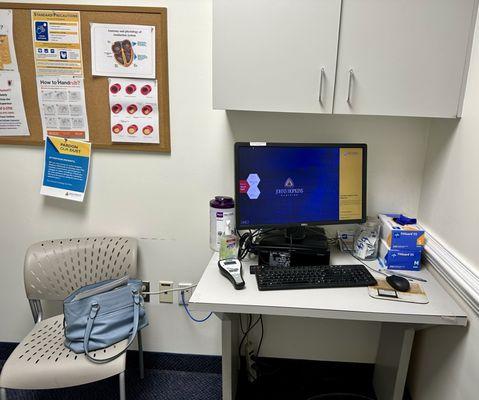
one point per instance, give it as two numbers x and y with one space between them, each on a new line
3 394
140 355
122 386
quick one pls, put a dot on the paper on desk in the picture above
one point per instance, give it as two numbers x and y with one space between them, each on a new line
415 294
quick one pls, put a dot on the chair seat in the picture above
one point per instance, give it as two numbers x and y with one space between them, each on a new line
41 361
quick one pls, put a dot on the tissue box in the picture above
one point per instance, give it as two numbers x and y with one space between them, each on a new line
405 237
399 258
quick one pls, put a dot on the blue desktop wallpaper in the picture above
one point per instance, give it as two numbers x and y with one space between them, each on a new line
287 185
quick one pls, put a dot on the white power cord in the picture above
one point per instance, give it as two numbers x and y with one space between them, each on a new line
179 289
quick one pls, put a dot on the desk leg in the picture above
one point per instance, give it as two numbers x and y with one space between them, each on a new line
230 357
392 361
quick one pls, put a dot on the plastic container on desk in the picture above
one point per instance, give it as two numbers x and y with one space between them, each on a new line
222 209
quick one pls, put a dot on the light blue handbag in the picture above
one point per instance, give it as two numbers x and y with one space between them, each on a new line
102 314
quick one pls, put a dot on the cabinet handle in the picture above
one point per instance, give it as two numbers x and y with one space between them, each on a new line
351 76
321 86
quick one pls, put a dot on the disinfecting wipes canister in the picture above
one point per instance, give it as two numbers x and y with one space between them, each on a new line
222 208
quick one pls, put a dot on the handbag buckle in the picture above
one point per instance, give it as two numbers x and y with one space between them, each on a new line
136 296
95 307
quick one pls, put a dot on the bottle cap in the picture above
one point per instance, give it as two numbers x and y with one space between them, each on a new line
222 202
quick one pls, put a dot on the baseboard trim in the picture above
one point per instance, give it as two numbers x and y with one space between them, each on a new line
461 276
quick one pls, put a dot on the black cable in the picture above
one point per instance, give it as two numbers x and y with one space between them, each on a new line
262 335
246 334
241 323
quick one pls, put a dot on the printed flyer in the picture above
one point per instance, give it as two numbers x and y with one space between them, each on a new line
123 50
57 43
8 59
134 115
62 107
66 168
13 121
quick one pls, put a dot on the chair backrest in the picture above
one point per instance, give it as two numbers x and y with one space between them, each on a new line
55 268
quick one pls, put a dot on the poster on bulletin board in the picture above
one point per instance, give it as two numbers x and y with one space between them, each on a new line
134 114
123 50
57 42
8 58
66 168
62 107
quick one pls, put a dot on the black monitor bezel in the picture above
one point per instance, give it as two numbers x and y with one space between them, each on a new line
305 223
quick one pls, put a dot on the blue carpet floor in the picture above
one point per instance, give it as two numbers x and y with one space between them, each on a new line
167 377
194 377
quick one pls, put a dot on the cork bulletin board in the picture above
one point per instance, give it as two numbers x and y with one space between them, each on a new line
96 87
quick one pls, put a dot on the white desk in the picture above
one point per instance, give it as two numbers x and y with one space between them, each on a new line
399 320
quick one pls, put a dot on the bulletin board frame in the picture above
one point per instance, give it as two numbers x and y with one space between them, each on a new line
96 87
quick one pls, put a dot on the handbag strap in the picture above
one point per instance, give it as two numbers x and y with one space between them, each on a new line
95 307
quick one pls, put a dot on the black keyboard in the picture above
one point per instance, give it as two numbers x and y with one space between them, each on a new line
309 277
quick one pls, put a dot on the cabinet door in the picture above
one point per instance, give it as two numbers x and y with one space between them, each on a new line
275 55
403 57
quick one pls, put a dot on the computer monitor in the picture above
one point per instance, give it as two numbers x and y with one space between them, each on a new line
285 185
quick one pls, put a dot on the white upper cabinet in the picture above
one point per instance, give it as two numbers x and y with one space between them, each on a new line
378 57
403 57
275 55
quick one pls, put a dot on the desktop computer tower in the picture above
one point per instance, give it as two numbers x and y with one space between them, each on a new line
278 249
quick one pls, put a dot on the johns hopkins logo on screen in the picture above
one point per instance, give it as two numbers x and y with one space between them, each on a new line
41 31
289 189
250 186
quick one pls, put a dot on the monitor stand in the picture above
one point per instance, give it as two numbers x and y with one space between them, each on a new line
293 246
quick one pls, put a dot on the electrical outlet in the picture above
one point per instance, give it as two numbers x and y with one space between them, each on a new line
187 293
165 297
145 287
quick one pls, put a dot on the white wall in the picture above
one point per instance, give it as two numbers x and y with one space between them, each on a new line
163 199
446 360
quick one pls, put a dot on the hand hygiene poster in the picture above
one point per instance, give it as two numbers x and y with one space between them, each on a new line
123 50
66 168
62 107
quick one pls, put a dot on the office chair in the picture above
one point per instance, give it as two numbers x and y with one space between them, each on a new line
53 269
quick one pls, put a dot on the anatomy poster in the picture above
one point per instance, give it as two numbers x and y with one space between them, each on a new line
62 107
123 50
134 116
56 42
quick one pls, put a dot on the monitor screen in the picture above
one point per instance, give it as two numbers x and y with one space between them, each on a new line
283 185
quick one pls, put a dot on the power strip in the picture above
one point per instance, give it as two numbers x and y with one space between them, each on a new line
250 364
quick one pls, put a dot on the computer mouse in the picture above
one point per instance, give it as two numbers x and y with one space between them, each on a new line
398 282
